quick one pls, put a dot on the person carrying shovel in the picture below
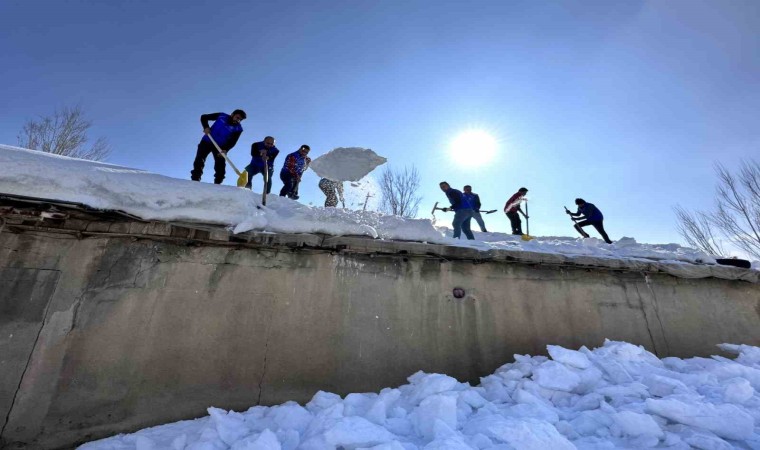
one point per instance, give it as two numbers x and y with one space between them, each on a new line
462 211
263 155
474 200
225 132
512 207
588 214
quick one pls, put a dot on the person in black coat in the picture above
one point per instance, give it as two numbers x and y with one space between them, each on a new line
588 214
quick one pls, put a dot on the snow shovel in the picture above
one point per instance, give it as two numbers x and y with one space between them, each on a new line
436 207
242 177
575 224
490 211
527 236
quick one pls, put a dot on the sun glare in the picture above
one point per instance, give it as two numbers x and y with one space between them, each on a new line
473 148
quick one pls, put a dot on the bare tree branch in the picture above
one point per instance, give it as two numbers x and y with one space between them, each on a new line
64 133
696 229
736 215
399 192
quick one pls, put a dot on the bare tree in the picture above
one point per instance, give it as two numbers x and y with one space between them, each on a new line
698 231
736 215
63 133
399 192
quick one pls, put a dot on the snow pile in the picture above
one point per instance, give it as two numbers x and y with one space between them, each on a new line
616 396
347 164
156 197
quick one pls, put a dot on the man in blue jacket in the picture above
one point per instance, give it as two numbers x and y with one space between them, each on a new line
462 211
474 200
262 155
226 131
588 214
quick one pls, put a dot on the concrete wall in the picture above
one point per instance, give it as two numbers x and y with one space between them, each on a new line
109 334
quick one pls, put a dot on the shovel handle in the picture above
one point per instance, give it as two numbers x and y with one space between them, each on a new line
224 154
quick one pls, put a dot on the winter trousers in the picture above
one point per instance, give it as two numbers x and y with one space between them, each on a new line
204 148
479 219
514 220
258 170
290 185
461 223
328 188
599 225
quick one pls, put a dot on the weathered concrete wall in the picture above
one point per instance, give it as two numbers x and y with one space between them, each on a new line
109 334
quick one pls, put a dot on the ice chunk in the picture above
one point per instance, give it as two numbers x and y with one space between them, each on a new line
425 385
748 354
358 404
434 408
264 441
378 411
553 375
635 424
590 379
290 415
572 358
588 423
350 433
323 400
726 420
738 390
495 390
525 434
660 386
699 438
231 426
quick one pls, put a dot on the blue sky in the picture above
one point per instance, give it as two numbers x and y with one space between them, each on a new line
625 103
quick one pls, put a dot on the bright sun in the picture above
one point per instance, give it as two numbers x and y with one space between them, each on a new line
473 148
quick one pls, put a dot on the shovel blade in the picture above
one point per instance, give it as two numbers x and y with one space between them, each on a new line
526 237
242 179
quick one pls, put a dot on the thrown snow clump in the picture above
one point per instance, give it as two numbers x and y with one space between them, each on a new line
346 163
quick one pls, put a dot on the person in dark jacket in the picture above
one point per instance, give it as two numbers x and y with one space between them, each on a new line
462 211
226 131
512 207
474 200
262 155
295 165
588 214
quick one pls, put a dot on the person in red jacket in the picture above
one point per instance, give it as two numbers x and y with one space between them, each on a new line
512 207
295 165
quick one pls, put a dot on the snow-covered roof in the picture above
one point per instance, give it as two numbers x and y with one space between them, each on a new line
152 196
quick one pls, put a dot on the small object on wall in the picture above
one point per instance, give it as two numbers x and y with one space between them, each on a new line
458 292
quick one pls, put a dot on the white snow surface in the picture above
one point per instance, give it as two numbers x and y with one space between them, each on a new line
156 197
616 396
346 163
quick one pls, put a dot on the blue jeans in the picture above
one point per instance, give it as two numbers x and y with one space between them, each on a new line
462 223
255 170
479 219
290 185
